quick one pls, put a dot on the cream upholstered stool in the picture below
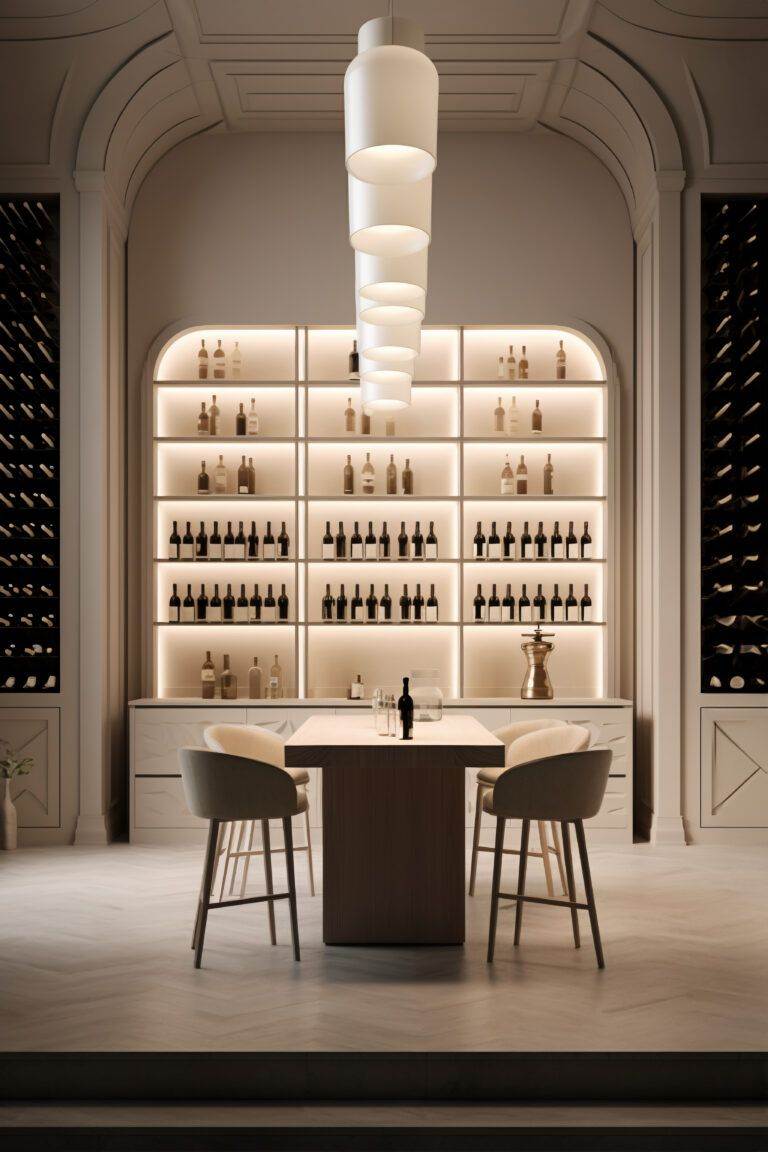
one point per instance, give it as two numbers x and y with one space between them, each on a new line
486 777
236 839
232 789
568 788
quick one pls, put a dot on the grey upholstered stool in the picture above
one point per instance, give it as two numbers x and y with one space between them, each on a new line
567 788
222 788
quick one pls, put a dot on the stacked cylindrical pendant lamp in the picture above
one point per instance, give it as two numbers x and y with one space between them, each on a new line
390 118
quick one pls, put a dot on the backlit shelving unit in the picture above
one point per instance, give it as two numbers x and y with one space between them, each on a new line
297 376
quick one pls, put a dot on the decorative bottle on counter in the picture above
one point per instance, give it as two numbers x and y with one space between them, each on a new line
208 678
349 478
405 714
202 362
349 416
560 363
236 360
498 417
228 681
219 362
508 479
549 473
522 477
368 474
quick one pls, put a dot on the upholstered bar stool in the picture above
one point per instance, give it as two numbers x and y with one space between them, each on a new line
221 788
568 788
552 737
236 842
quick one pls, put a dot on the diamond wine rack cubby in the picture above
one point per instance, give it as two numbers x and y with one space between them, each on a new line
29 444
734 440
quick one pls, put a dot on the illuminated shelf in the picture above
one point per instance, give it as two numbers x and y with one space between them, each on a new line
212 385
392 560
383 623
503 438
225 624
531 498
534 560
527 384
379 441
203 440
245 560
543 624
219 497
367 499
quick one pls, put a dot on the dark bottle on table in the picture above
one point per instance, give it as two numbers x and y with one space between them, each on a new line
174 607
268 543
417 540
269 608
585 544
341 543
327 549
282 604
240 544
356 606
241 607
341 604
402 542
371 604
418 605
494 543
557 550
230 551
188 544
494 607
585 606
405 713
405 604
384 543
571 606
556 607
571 543
524 607
370 549
188 607
328 603
214 607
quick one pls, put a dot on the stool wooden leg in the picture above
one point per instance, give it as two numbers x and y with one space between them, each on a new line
559 856
498 856
476 837
521 878
237 859
309 855
210 862
582 843
219 850
247 860
544 845
267 849
288 834
571 883
227 857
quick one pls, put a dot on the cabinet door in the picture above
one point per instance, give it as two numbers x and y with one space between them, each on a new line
158 802
159 733
734 767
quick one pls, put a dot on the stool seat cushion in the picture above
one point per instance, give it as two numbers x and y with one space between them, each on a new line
536 745
253 742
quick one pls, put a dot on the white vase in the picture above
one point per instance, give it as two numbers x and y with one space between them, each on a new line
9 821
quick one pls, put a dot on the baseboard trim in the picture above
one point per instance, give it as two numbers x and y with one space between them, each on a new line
680 1077
667 831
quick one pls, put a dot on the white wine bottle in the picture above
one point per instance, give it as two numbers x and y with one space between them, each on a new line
523 367
219 362
254 680
498 417
507 479
236 360
511 363
220 477
202 362
368 475
349 416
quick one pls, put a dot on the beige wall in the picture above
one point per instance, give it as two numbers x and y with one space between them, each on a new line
253 229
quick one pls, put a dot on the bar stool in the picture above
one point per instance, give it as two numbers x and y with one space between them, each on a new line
222 788
255 743
556 736
569 789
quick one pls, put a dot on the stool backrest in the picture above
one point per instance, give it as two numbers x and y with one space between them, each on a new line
218 786
512 732
547 742
246 740
567 787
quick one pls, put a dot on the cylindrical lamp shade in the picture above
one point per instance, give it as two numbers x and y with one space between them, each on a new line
396 343
390 104
392 280
384 388
390 219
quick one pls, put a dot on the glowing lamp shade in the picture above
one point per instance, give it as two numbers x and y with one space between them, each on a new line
390 219
396 343
390 104
384 387
391 290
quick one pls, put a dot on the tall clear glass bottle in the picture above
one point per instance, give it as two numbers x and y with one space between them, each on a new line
202 362
219 362
228 681
368 475
391 477
507 479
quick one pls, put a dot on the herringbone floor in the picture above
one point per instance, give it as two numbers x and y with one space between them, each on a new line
94 955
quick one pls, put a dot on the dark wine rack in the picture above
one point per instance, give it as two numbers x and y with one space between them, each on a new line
734 442
29 444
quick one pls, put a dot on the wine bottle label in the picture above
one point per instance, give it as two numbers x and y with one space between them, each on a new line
371 551
507 488
269 614
586 551
382 614
214 551
526 613
357 551
243 489
367 488
431 551
525 551
187 551
214 614
571 613
174 615
241 613
586 612
208 676
557 551
478 552
494 614
187 614
512 552
253 614
494 551
268 552
572 550
327 551
431 613
558 615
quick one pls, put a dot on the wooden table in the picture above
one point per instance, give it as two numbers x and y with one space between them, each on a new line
393 825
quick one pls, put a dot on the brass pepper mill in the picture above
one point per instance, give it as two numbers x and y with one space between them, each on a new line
537 684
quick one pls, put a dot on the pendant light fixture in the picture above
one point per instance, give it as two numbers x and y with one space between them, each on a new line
390 115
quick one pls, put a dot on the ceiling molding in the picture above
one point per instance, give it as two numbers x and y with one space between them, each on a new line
81 19
694 19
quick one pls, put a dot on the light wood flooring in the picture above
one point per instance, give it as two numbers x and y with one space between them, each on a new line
94 956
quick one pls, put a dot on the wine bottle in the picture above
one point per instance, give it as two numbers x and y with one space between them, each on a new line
326 607
507 479
220 477
349 417
556 543
536 428
341 543
494 543
498 417
549 476
242 478
356 689
511 363
585 605
514 419
188 544
402 543
418 606
174 607
522 477
430 547
556 608
391 477
203 423
405 604
501 370
341 604
228 606
202 362
240 544
230 551
269 607
384 543
203 481
255 606
405 713
236 361
539 604
188 607
240 421
214 543
275 689
508 605
356 543
327 545
228 680
283 543
214 607
368 476
365 423
213 417
349 478
252 426
571 606
585 544
494 607
254 674
385 606
571 543
201 543
479 543
407 479
432 606
219 362
479 606
524 607
174 543
283 604
560 363
417 543
540 542
208 678
354 362
252 551
371 604
370 550
201 607
523 366
509 542
356 606
268 543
